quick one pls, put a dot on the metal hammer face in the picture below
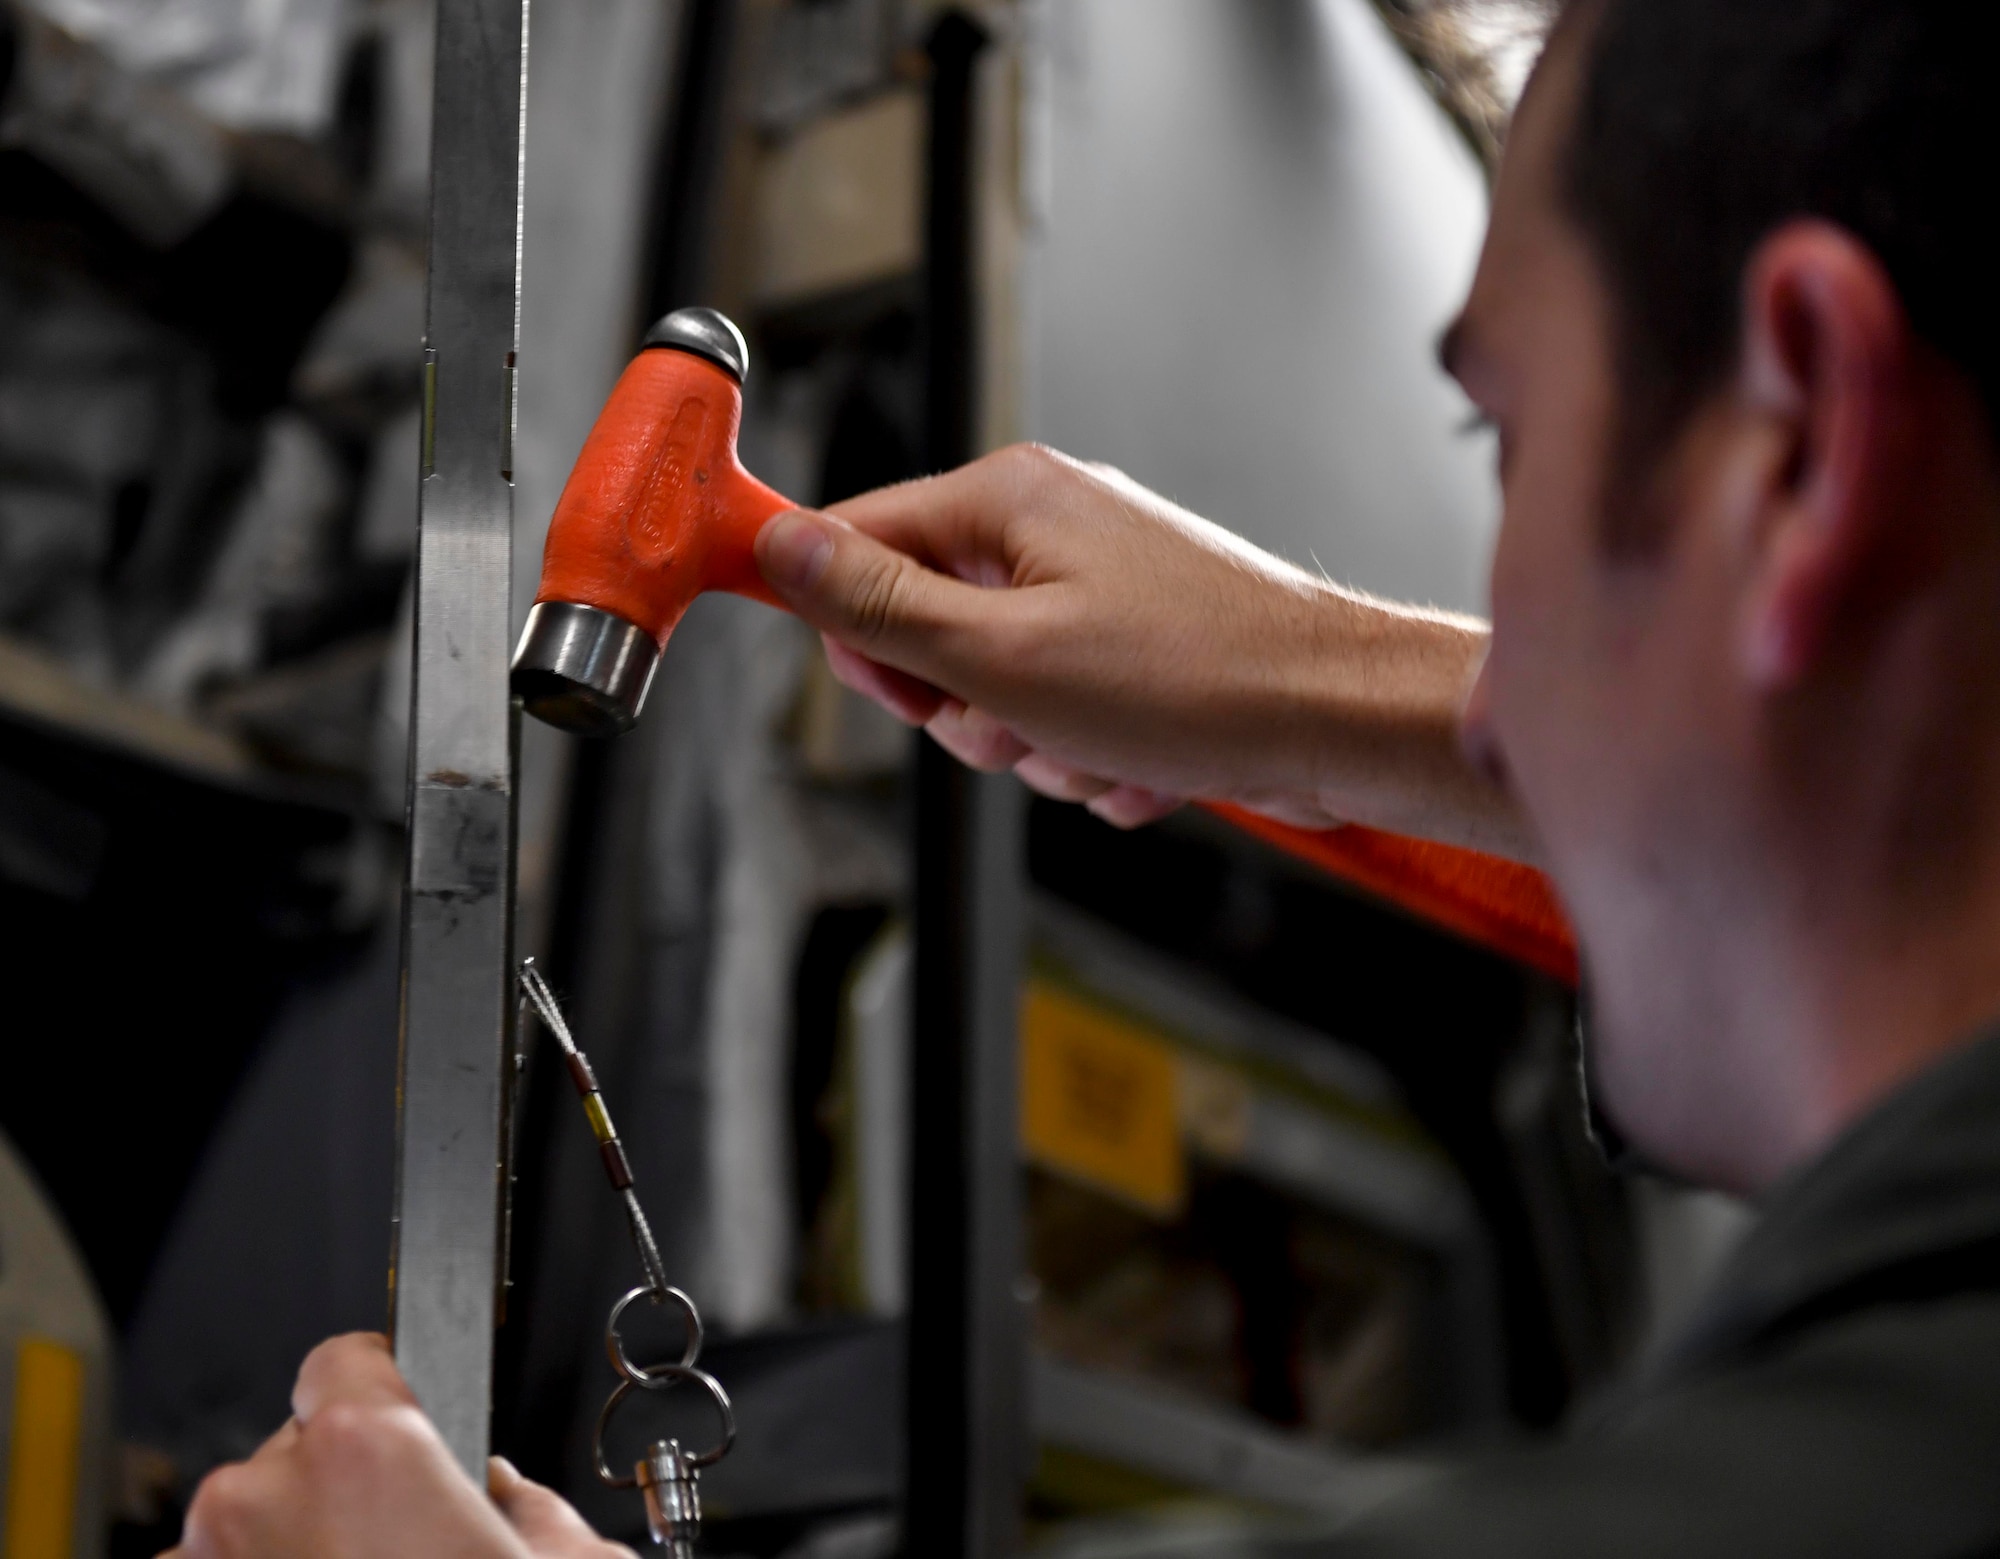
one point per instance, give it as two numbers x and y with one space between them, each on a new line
658 510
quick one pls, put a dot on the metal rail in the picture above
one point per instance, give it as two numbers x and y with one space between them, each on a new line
967 1437
458 976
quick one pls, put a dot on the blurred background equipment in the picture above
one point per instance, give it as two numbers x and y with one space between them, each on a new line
1043 1184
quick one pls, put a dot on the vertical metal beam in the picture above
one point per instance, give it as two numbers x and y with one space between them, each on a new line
459 891
966 1378
680 247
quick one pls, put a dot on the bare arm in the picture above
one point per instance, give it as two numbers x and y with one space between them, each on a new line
1057 618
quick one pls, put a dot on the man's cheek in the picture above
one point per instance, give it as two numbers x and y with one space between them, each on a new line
1477 736
1526 720
1521 555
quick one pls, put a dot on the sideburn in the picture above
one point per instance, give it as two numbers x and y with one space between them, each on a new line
1636 508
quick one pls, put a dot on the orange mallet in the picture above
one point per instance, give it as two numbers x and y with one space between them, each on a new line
658 510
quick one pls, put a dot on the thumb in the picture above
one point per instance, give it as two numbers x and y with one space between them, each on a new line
547 1522
867 596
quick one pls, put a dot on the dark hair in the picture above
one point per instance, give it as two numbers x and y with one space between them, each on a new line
1702 125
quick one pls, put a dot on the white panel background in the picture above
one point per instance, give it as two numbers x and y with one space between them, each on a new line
1248 225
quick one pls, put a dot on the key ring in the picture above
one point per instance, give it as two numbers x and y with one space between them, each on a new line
667 1475
614 1345
664 1377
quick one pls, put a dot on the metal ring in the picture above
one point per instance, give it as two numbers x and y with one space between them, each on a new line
664 1377
605 1475
614 1345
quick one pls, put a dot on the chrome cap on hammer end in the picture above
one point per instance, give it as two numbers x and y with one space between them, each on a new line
706 333
583 670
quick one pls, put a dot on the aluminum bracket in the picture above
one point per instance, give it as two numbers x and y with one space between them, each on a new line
458 904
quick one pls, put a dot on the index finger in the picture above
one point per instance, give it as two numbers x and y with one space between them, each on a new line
927 518
958 521
357 1368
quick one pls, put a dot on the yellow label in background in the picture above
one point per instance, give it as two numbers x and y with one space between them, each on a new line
1100 1100
46 1440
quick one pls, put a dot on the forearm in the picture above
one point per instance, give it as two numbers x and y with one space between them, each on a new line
1370 735
1058 619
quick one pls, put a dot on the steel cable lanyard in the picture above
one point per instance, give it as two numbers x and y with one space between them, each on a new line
666 1474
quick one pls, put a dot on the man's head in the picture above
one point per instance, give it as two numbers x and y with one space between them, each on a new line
1745 678
1702 125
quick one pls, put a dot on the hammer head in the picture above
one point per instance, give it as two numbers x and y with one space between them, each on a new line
657 510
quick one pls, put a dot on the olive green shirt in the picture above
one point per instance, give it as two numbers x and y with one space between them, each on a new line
1838 1392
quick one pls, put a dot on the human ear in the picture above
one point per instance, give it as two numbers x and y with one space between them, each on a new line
1827 365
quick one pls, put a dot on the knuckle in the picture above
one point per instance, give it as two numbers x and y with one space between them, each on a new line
341 1424
1034 455
880 598
218 1515
976 750
209 1496
1029 465
533 1502
991 754
346 1435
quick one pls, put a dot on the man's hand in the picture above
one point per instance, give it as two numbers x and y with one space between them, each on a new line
1055 618
359 1473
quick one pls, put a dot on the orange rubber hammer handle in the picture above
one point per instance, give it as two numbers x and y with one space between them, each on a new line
659 508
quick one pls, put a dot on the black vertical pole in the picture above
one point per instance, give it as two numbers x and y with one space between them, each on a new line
676 267
950 338
965 1370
